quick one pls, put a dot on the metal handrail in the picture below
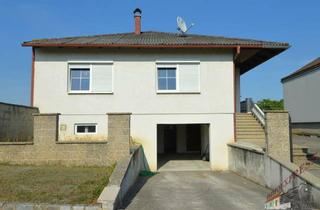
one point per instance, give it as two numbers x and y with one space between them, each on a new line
259 114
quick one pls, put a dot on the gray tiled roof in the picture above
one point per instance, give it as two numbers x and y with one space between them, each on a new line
151 38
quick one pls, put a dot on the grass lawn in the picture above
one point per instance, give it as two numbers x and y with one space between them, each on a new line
52 184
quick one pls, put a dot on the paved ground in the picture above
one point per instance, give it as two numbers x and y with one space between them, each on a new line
182 162
197 190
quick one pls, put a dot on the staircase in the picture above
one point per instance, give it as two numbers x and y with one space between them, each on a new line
301 155
249 130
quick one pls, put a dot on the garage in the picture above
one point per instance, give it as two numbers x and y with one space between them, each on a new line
182 146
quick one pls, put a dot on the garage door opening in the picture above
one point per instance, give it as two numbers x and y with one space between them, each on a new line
183 144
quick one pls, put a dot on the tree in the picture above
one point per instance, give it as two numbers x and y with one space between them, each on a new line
268 104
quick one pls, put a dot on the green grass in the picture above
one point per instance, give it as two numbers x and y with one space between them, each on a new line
52 184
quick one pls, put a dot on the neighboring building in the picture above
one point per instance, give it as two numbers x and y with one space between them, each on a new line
182 90
301 91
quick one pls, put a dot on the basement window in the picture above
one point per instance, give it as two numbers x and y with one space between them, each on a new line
85 128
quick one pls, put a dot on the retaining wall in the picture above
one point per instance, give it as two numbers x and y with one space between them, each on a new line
271 172
123 179
16 122
46 149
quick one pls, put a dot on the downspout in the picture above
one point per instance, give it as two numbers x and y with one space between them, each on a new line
32 77
235 57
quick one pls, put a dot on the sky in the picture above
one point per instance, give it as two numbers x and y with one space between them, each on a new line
294 21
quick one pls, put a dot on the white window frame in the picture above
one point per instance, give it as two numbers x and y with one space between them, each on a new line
88 64
177 77
85 124
176 64
70 80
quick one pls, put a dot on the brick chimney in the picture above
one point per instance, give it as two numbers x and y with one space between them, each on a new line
137 21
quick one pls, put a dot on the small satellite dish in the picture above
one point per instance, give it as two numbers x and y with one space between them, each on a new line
182 26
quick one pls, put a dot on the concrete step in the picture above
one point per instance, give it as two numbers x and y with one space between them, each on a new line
247 121
251 133
255 125
257 133
248 124
250 137
300 149
299 153
248 128
245 118
239 130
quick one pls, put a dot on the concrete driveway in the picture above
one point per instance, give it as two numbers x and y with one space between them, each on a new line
197 190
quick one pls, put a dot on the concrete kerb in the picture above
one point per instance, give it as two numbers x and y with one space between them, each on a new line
44 206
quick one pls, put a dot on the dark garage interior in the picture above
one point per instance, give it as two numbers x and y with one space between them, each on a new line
182 142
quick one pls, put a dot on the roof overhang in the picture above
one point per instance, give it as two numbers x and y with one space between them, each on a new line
248 56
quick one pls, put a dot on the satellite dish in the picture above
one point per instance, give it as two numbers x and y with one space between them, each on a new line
182 26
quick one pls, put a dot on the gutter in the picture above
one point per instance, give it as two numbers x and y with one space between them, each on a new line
28 44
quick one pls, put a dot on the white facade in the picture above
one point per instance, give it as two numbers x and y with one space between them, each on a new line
134 89
302 97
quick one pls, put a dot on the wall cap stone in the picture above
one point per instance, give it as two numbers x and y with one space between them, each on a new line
276 111
46 114
247 147
82 142
16 143
18 105
119 113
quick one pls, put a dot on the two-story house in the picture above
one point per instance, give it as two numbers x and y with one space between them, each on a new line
182 90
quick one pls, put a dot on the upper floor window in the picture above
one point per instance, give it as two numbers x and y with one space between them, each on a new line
80 79
167 78
90 78
178 77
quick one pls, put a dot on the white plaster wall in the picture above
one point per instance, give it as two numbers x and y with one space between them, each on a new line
237 90
302 97
135 92
144 131
134 83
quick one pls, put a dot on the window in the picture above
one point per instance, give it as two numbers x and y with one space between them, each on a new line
178 78
167 79
80 79
90 78
85 128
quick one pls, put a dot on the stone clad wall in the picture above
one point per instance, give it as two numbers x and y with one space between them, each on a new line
119 133
45 149
16 122
278 136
